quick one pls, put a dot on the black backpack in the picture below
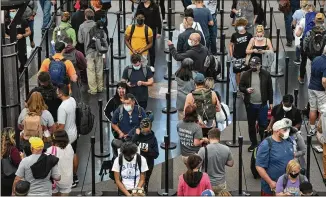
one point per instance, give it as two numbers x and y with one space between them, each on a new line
214 67
316 42
98 40
133 26
84 119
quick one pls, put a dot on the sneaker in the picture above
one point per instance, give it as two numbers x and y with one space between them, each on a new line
75 179
312 132
301 80
164 21
297 62
74 185
251 148
289 44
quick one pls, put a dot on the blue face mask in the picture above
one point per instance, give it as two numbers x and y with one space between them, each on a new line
12 15
128 108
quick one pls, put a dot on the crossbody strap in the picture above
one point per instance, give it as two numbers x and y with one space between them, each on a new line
206 159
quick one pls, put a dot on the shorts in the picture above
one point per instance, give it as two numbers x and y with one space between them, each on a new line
316 99
217 189
74 146
65 190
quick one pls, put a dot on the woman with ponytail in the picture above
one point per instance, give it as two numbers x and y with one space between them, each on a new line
193 182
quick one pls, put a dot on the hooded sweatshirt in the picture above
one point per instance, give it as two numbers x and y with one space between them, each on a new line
68 28
193 187
184 88
197 53
83 35
152 145
81 63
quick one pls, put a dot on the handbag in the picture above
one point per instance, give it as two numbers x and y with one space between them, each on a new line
223 115
8 167
54 152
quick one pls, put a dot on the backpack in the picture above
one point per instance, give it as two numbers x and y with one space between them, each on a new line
284 6
84 119
315 42
133 26
286 178
254 156
309 22
32 126
61 34
144 68
48 94
72 57
58 72
214 67
204 103
98 40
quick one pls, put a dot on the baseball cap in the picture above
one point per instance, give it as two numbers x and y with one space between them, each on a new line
199 78
281 124
255 60
207 192
320 17
36 143
22 188
306 188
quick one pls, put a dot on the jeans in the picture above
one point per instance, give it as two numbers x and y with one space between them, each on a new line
303 62
213 35
288 21
256 113
297 52
162 9
95 72
31 26
46 8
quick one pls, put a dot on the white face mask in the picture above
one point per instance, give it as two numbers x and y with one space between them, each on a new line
260 38
128 108
190 43
240 28
136 67
286 134
286 109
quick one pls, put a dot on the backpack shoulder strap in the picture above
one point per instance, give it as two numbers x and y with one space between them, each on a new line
146 34
140 116
145 71
133 26
129 71
206 159
120 165
138 163
301 178
226 116
120 113
285 180
269 141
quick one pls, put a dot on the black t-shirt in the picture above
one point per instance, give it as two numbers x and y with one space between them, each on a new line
240 42
18 28
140 92
294 114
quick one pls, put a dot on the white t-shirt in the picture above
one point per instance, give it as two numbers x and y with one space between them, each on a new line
302 25
65 165
128 171
67 116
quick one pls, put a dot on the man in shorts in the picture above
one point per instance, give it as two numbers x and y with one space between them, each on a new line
316 89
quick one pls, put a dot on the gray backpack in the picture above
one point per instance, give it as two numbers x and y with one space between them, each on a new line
144 68
61 33
72 57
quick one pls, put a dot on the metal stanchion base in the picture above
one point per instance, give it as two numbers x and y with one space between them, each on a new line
171 192
119 57
279 74
220 80
221 53
167 50
171 147
105 154
231 144
89 193
224 27
172 12
166 77
166 28
122 31
172 110
236 193
113 84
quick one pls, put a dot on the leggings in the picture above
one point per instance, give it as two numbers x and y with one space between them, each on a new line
162 9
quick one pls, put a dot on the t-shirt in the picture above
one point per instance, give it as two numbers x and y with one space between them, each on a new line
218 155
65 164
46 117
298 16
20 28
128 171
203 16
255 97
318 72
274 159
38 187
240 42
138 40
129 123
67 116
188 132
293 188
278 113
140 92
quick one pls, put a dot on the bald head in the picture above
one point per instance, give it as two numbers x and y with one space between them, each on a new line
195 38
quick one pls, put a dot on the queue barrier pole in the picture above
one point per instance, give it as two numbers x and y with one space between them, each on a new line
265 13
123 11
222 27
322 10
113 83
296 92
287 60
240 140
227 95
222 43
234 143
222 79
102 154
309 137
271 24
93 192
168 109
119 55
277 73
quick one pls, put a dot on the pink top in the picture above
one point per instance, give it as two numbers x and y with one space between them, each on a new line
77 5
185 190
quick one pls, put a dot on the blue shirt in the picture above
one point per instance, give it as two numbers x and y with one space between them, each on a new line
203 16
129 123
318 71
274 160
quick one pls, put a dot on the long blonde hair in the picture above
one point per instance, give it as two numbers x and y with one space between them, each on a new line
291 165
7 140
36 104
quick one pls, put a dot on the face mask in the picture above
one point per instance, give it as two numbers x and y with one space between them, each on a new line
144 133
294 175
140 21
286 134
190 43
129 158
286 109
240 28
136 67
128 108
12 15
260 38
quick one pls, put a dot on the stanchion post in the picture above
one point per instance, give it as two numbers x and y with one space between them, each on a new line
277 73
123 29
119 55
234 143
308 156
240 139
113 84
265 13
47 51
26 81
315 3
61 5
222 27
222 54
107 83
168 109
287 60
100 117
322 10
271 24
39 57
93 164
296 92
227 95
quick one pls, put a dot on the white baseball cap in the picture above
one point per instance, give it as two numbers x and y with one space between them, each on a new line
281 124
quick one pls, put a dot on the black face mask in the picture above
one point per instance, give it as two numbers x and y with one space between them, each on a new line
294 175
140 21
129 158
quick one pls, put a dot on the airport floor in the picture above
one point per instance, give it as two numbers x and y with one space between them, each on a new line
157 102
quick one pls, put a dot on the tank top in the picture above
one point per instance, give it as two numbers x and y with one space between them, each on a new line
259 48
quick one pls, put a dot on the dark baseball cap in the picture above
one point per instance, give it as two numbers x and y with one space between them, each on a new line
255 60
199 78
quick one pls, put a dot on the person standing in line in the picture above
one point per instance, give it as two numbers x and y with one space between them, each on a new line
212 6
29 15
288 11
247 9
46 8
